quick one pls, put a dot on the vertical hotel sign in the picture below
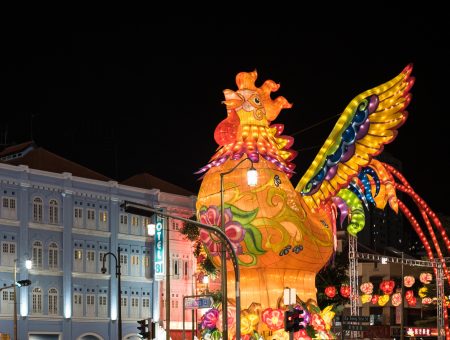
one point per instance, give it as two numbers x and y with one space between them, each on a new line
159 249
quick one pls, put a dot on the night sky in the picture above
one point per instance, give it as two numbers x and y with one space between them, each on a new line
127 99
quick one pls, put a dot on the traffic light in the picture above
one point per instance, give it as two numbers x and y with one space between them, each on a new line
152 329
143 329
23 283
292 320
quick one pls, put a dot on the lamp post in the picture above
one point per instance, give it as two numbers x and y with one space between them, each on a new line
252 179
28 265
402 310
119 289
145 210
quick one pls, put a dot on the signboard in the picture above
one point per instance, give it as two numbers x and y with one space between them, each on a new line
346 327
159 249
355 318
197 302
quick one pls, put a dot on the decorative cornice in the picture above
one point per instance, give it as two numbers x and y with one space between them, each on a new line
91 232
94 276
45 272
13 223
140 238
42 226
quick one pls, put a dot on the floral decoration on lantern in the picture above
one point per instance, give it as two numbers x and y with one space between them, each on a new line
423 292
367 288
427 301
273 318
375 298
396 299
330 291
408 281
383 299
365 298
387 286
345 291
249 322
425 278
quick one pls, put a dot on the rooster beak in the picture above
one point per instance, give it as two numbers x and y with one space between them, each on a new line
232 99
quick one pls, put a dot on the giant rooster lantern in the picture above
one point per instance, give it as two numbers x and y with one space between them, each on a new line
282 235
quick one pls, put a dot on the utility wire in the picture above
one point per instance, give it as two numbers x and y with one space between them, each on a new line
314 125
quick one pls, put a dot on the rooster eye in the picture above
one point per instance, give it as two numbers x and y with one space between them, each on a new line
256 100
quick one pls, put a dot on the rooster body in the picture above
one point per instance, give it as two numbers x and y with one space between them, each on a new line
283 235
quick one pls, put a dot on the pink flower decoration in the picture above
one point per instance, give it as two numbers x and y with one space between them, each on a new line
210 318
233 229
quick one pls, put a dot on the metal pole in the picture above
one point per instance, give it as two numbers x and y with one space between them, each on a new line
119 292
223 264
15 300
167 283
402 316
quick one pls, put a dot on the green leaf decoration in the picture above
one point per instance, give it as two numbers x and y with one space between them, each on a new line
241 216
253 240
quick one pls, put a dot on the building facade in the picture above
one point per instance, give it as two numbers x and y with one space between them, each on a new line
68 226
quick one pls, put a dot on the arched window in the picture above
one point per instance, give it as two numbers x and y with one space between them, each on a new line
37 301
53 212
52 301
53 256
37 254
37 209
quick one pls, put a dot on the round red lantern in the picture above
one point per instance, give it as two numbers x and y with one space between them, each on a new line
330 291
345 291
387 286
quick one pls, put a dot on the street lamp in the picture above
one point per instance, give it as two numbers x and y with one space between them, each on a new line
402 310
252 180
145 210
28 265
119 292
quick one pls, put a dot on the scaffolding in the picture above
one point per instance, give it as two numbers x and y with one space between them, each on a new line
354 255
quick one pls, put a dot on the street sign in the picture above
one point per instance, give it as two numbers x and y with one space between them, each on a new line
354 328
355 318
205 301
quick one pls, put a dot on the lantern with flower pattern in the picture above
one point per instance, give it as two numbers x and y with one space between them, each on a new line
425 278
396 299
375 298
365 298
423 292
273 318
412 301
409 295
367 287
408 281
383 300
387 286
345 291
426 301
330 291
